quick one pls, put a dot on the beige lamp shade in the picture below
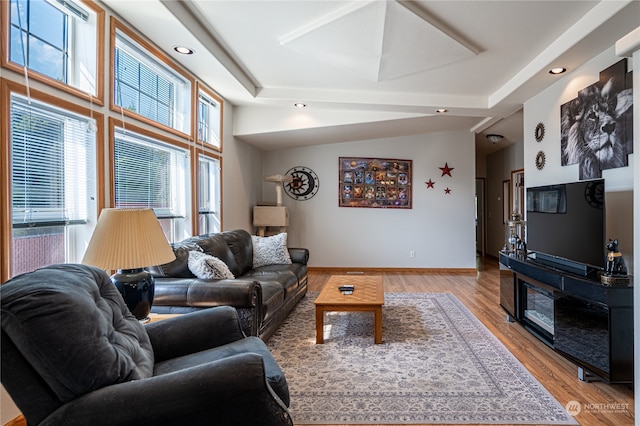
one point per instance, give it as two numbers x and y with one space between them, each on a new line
128 239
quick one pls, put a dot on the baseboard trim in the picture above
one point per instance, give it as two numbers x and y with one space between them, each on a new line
356 270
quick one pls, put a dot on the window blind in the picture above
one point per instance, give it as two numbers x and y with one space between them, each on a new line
150 174
209 200
52 164
208 185
144 85
208 120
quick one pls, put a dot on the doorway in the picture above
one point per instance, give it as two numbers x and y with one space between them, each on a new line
480 217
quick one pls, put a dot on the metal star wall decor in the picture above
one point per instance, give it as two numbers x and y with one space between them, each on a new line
430 183
446 170
447 191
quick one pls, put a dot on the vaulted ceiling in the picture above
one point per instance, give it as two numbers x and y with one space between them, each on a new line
376 69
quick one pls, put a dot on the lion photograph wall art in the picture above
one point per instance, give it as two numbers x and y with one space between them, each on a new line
596 127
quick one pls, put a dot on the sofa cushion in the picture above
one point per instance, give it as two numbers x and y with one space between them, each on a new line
50 310
215 245
285 278
273 295
239 243
207 267
270 250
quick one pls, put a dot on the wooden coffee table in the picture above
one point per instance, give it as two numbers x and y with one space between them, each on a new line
368 296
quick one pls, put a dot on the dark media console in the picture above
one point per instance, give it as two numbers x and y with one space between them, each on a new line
589 323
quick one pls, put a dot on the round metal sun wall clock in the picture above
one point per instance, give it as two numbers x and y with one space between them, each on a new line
305 183
540 160
539 132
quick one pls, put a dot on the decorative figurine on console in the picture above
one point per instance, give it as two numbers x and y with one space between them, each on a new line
515 235
615 270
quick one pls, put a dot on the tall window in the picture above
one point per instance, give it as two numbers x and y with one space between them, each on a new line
144 85
53 184
152 174
209 120
209 200
56 38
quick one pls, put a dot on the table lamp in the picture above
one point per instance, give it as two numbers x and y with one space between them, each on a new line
127 240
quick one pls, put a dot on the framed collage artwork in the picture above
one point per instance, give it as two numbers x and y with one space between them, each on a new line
374 182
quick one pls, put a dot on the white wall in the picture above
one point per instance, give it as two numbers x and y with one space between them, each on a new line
241 178
545 108
440 228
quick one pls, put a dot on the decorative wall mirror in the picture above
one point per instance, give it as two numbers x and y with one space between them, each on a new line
539 132
517 192
506 200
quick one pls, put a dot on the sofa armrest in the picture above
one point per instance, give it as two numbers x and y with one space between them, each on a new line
207 293
194 332
299 255
230 391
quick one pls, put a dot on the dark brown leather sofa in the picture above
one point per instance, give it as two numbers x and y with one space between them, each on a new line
263 296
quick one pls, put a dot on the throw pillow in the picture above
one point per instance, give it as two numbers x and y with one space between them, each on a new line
270 250
207 267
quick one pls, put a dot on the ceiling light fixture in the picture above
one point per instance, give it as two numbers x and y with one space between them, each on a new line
184 50
441 110
493 138
557 70
299 105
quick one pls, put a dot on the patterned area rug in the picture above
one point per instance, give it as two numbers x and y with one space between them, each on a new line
438 364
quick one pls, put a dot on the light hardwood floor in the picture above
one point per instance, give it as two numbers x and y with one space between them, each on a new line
480 294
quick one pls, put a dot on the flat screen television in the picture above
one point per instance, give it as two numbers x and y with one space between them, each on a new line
566 225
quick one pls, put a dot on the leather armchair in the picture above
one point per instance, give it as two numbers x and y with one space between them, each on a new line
73 354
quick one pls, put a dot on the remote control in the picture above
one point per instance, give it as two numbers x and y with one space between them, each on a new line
348 287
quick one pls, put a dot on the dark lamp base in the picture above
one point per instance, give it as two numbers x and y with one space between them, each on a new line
137 288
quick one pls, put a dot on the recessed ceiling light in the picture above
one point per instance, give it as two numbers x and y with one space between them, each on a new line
441 110
184 50
299 105
558 70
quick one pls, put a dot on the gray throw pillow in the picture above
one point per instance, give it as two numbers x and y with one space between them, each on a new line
207 267
270 250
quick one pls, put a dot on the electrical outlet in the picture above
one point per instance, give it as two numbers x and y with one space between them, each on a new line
412 254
